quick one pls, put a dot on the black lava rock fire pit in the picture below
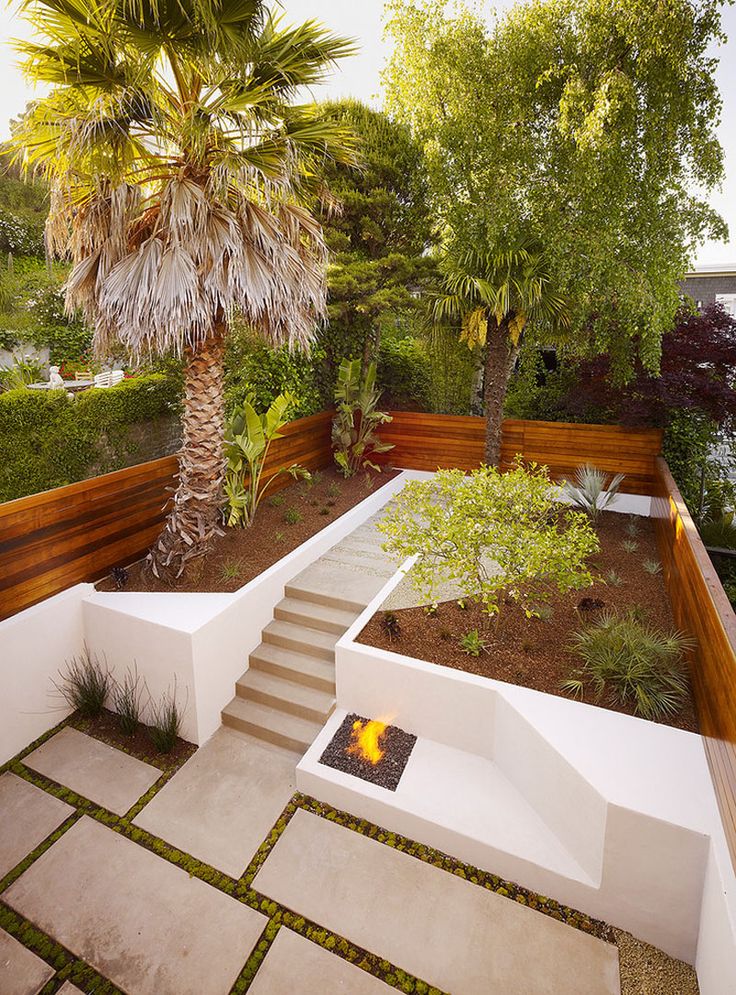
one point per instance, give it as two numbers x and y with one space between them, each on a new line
372 750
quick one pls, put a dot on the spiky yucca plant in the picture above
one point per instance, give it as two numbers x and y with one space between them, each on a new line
180 167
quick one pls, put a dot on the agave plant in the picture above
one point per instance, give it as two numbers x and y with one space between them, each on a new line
248 439
593 490
354 438
179 167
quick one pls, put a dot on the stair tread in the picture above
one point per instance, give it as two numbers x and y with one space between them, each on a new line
264 717
310 637
300 665
279 687
306 610
349 588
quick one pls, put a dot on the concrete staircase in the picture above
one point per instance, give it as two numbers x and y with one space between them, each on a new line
288 692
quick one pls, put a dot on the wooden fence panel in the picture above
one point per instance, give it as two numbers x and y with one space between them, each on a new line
702 609
426 442
68 535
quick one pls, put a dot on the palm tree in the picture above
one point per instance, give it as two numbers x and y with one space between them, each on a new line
180 169
495 296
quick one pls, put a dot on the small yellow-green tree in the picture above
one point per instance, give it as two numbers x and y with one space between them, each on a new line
489 532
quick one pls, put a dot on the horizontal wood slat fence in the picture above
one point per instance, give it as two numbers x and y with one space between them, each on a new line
702 610
426 442
53 540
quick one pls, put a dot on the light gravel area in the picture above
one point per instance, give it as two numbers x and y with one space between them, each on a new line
645 970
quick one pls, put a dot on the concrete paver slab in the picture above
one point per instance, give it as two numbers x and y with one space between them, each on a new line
140 921
93 769
222 803
447 931
21 971
69 989
294 964
27 816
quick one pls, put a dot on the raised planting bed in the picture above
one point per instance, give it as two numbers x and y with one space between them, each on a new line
537 652
284 521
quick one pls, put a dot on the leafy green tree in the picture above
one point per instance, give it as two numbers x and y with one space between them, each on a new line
585 126
377 235
489 532
180 167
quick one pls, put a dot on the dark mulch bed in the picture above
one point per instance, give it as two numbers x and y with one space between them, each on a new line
242 554
386 773
106 727
536 653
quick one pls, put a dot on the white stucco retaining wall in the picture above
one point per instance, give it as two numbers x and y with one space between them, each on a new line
202 641
34 645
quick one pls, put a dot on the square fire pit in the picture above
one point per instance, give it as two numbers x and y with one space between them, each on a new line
372 750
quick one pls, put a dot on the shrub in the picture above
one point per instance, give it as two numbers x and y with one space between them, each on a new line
593 490
292 516
165 722
404 372
126 702
248 440
472 643
48 440
720 534
633 662
85 685
488 532
354 438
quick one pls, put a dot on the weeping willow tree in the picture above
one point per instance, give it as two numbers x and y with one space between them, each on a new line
180 167
494 296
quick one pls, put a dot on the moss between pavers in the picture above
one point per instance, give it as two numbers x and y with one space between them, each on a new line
75 970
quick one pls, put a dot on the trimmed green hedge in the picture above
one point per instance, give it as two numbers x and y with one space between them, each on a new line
48 439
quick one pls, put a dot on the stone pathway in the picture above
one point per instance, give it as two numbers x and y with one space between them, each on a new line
221 805
454 934
21 972
27 816
93 769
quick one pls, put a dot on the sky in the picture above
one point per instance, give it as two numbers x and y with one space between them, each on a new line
360 77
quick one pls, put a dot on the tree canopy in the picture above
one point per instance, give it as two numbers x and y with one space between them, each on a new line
588 126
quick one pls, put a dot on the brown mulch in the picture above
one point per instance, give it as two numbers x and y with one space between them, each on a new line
536 652
106 727
242 554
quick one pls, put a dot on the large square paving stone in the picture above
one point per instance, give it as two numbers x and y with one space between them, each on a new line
21 972
142 922
447 931
221 805
27 816
294 964
93 769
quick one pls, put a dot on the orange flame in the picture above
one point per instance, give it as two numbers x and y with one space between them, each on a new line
365 740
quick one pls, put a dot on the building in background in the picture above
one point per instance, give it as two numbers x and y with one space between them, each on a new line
712 284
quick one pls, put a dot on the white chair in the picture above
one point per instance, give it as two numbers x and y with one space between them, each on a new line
109 379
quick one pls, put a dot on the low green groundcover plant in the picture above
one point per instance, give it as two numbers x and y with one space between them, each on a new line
489 532
633 662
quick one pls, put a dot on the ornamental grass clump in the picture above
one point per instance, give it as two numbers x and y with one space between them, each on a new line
592 490
490 534
85 685
126 702
165 722
633 663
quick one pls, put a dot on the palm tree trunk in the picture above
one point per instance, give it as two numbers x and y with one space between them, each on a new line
196 515
500 358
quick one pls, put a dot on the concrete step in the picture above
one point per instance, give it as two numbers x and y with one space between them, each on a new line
300 668
286 696
314 616
349 589
287 731
374 563
291 636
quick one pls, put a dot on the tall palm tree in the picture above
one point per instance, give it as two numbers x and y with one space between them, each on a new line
180 167
495 296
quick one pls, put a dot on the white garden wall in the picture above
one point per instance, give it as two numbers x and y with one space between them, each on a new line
34 644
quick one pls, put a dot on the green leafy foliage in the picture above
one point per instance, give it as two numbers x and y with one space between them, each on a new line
633 662
490 532
405 373
257 373
85 685
354 436
472 643
48 440
720 533
248 440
